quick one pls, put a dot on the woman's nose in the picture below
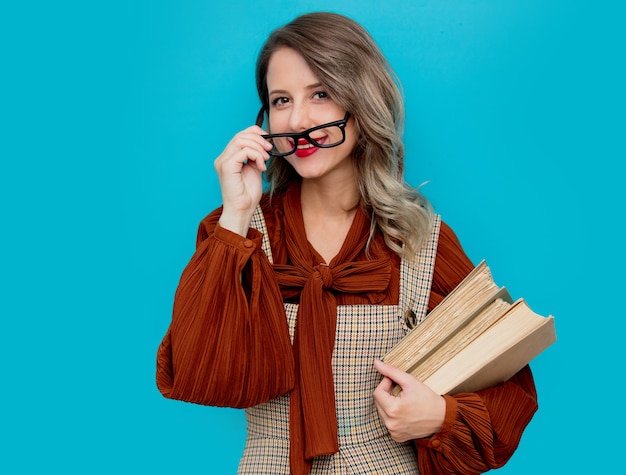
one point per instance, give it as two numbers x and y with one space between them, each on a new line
299 118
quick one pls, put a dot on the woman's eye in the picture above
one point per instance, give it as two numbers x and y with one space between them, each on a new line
278 101
320 95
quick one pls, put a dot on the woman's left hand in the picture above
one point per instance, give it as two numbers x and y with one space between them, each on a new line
415 413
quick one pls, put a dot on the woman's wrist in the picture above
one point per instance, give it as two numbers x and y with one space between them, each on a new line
236 223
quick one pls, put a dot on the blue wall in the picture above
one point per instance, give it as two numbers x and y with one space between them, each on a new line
111 115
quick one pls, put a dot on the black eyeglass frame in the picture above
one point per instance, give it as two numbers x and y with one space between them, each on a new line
296 136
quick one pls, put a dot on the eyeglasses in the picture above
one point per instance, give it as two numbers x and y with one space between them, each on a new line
287 143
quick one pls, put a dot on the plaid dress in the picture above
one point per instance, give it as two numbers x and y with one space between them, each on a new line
364 333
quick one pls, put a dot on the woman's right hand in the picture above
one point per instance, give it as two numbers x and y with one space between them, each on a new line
240 168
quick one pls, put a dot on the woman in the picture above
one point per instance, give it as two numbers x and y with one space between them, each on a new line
294 295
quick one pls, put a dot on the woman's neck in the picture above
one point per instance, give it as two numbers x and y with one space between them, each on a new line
328 213
329 199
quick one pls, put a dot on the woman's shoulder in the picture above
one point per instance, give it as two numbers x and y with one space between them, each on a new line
449 242
451 264
271 205
268 216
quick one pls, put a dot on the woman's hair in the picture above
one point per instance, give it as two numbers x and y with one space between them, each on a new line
349 64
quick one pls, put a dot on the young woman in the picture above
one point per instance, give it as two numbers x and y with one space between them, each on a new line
295 294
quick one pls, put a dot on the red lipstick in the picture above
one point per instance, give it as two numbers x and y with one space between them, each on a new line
305 149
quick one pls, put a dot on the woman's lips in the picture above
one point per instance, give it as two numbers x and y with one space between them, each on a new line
306 152
306 149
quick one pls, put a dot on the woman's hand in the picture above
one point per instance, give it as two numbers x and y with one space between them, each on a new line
415 413
240 168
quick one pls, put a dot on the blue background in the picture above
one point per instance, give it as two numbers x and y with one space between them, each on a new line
112 114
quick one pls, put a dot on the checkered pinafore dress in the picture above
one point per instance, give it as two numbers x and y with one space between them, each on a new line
364 333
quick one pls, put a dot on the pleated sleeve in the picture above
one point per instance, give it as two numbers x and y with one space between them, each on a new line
481 430
228 342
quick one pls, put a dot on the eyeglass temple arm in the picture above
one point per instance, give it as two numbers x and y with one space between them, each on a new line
260 116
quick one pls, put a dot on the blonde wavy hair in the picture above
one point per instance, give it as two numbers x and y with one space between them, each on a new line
350 65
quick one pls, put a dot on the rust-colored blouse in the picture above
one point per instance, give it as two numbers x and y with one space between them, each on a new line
481 430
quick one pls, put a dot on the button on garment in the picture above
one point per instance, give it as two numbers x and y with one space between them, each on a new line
363 334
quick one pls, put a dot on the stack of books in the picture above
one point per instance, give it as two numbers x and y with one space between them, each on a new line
475 338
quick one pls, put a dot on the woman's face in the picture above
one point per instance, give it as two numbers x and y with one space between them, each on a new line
297 102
